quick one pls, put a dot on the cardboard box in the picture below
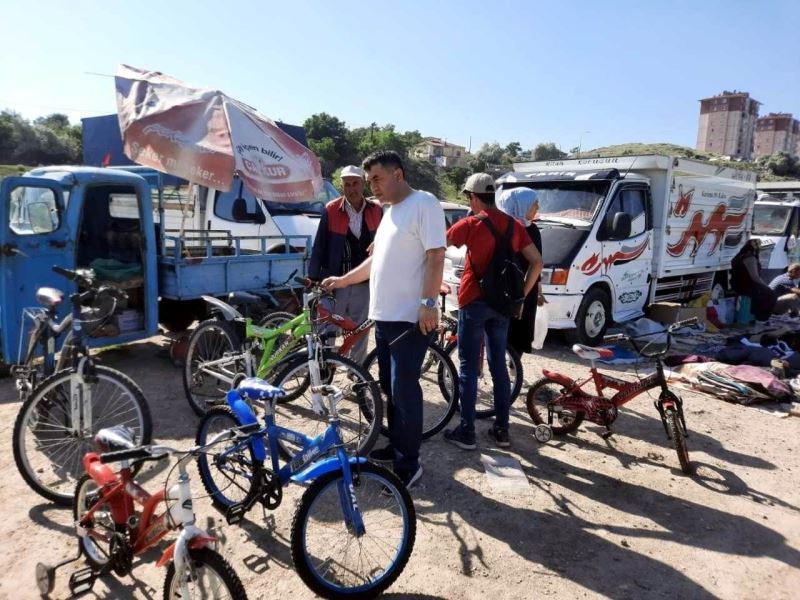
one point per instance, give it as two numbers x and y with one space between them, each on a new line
668 313
129 320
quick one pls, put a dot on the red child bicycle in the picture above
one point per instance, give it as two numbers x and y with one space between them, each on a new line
112 532
558 404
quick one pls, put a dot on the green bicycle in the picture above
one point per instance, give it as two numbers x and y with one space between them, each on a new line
224 350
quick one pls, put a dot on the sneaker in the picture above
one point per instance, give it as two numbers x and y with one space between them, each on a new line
499 437
408 478
382 455
461 437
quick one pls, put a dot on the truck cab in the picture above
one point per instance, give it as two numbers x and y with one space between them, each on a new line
776 223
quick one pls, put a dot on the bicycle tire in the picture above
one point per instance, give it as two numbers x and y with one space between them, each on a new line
540 394
437 410
274 320
216 482
205 559
484 405
678 439
31 417
86 497
209 341
369 480
299 416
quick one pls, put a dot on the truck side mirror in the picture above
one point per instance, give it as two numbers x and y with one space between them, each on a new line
621 226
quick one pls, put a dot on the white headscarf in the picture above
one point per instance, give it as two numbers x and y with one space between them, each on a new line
517 202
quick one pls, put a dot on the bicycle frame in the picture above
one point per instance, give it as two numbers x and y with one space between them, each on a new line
303 466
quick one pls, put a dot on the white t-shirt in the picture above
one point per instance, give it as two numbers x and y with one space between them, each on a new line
407 231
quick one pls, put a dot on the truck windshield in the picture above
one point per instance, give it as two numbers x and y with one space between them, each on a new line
313 207
770 219
569 200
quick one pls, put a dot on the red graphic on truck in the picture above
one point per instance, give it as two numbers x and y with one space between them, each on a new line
623 255
717 225
681 207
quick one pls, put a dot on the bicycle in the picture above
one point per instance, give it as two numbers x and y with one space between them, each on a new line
112 531
348 502
60 417
558 404
448 339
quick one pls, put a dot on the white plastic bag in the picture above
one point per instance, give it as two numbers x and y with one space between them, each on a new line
540 327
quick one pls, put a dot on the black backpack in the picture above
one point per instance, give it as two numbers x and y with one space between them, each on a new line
503 283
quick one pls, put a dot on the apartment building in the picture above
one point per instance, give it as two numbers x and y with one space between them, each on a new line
440 152
777 132
727 124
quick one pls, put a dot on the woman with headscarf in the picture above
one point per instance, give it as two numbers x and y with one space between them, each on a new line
746 280
521 203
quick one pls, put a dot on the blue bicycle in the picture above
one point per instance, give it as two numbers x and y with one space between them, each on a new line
354 529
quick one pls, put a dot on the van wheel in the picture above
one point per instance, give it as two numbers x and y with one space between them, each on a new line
594 317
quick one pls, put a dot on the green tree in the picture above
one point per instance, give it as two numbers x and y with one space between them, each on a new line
547 152
782 164
514 149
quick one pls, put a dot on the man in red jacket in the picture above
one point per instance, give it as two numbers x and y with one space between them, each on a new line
346 231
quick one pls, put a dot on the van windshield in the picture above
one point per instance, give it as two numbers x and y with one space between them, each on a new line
770 219
568 201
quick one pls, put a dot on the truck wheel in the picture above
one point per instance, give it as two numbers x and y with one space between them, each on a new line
176 315
594 317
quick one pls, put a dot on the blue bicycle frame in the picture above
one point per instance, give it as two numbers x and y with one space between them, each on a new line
298 468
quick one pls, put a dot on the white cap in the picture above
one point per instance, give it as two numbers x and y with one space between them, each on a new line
352 171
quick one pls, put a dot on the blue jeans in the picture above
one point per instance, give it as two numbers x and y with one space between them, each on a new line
476 321
400 368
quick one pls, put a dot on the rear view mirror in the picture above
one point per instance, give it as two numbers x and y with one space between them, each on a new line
621 226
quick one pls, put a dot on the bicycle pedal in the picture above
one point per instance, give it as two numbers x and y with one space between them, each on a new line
606 434
235 513
82 581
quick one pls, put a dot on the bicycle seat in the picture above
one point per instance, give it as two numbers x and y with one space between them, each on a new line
50 297
254 388
115 438
591 353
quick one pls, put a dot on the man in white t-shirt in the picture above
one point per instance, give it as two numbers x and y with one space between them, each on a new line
405 273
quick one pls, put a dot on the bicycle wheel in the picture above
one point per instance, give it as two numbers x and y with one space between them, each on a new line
49 448
204 385
439 388
329 557
207 575
274 320
96 544
484 401
545 393
227 479
678 439
360 410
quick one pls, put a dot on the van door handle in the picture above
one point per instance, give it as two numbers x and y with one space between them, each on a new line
11 250
57 243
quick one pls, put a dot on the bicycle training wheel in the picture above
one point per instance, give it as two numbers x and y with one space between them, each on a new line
227 473
439 384
484 400
360 410
207 374
49 446
678 439
330 557
544 394
208 575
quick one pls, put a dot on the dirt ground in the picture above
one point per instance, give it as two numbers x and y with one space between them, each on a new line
593 518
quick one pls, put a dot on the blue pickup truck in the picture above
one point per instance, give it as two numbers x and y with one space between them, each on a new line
103 219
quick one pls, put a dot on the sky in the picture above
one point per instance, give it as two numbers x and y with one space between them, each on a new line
570 72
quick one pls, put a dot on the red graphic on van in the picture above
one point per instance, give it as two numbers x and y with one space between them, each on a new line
717 225
681 207
621 256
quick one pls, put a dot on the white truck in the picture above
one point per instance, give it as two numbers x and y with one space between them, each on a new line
776 222
620 233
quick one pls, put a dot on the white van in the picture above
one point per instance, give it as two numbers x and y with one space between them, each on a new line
776 223
620 233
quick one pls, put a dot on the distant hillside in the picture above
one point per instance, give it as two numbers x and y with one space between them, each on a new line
8 170
674 150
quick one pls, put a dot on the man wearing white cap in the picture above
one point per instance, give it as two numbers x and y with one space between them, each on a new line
346 231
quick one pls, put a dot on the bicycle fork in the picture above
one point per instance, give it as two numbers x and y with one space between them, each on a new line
347 496
81 400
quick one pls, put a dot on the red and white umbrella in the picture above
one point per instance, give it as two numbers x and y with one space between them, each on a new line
207 137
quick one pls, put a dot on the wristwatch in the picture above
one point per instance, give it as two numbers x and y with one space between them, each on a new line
427 302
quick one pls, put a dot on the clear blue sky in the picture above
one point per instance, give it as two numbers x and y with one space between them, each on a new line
493 71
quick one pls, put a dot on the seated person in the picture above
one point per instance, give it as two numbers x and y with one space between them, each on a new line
786 289
746 280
